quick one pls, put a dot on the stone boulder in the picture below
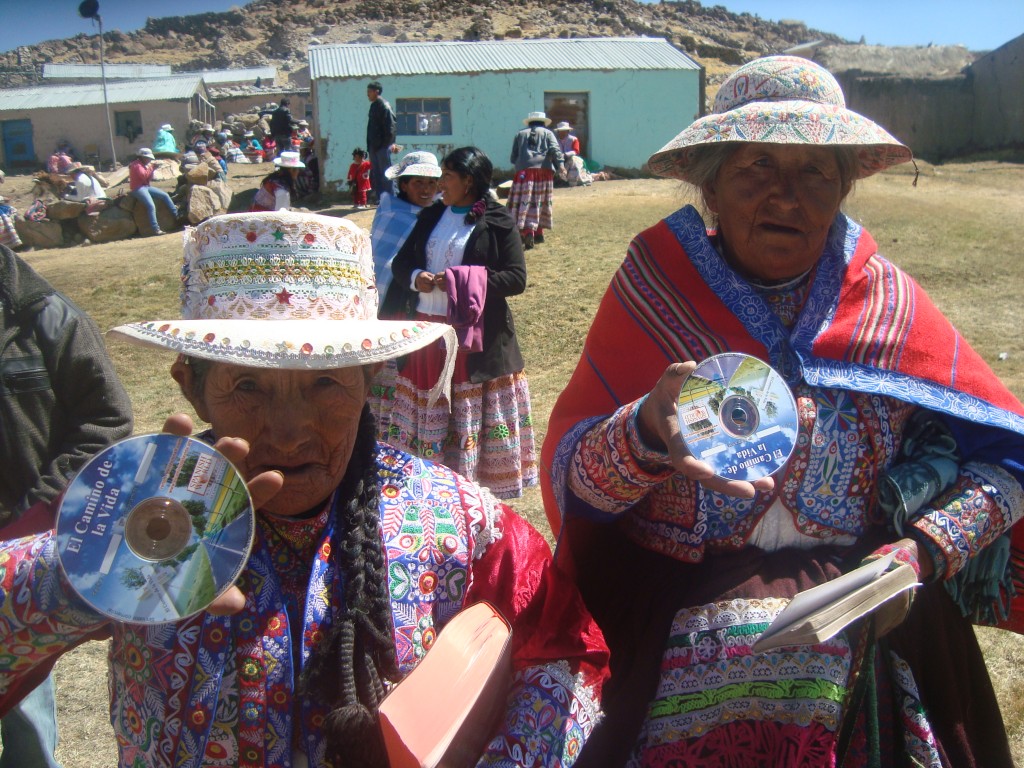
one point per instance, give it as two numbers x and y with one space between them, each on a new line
165 219
204 202
40 234
165 170
200 174
113 223
64 209
223 192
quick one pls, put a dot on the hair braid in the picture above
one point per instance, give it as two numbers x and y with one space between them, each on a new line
349 668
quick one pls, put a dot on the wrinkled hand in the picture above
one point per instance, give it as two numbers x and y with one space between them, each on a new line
659 428
263 487
891 613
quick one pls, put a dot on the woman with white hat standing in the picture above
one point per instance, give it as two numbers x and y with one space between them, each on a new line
276 190
462 262
416 176
536 156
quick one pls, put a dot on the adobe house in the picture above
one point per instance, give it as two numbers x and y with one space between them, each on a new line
33 120
625 97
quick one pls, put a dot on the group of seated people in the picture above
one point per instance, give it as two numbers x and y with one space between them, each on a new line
634 643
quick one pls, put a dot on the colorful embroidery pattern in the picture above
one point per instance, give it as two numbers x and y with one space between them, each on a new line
554 717
716 695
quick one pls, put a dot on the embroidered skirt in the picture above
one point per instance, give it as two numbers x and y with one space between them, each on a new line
687 690
530 199
487 436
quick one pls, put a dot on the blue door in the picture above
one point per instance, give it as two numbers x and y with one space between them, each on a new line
18 149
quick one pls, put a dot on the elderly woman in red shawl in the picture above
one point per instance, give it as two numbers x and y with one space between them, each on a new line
905 442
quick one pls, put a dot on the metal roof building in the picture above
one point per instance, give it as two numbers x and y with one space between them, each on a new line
111 71
625 97
245 75
33 120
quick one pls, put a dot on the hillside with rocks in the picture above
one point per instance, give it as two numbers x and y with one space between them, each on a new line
278 32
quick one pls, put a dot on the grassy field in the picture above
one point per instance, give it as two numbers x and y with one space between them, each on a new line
957 231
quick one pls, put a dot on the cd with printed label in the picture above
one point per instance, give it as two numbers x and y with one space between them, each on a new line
154 528
738 415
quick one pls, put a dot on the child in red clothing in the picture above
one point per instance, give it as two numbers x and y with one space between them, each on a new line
359 177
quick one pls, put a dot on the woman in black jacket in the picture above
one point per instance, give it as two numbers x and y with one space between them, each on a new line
461 262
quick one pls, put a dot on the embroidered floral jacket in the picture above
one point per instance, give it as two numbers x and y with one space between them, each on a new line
220 691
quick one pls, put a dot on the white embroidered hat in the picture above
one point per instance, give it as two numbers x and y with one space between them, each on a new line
284 290
782 100
563 126
289 160
535 116
415 164
167 127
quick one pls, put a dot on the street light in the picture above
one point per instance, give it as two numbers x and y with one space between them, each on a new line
90 9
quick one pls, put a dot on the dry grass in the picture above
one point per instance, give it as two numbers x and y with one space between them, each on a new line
956 232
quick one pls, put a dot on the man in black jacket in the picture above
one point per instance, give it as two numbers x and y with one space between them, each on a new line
60 403
281 124
380 138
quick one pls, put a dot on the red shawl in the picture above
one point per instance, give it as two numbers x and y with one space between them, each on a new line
866 326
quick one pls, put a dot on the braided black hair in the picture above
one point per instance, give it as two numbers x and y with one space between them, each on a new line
349 668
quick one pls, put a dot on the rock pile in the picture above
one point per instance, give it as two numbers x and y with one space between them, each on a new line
55 222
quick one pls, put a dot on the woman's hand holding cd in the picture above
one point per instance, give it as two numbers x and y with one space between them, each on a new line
658 422
262 488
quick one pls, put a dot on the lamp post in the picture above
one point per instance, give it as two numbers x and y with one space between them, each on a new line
90 9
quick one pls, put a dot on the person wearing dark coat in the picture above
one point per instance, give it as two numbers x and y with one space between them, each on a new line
281 124
464 254
60 403
381 128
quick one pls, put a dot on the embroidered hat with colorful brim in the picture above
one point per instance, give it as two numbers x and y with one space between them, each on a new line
782 100
285 290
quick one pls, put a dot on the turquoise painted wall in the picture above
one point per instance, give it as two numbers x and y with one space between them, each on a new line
633 113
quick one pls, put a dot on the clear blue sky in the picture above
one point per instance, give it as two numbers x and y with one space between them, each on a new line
978 24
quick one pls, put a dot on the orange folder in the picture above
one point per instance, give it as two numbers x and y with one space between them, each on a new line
445 711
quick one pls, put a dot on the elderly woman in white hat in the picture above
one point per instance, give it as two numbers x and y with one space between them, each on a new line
276 191
904 444
536 157
362 553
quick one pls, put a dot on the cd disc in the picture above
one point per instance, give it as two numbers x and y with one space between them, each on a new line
737 414
154 528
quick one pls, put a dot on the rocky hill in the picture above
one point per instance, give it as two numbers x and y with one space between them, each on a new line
278 32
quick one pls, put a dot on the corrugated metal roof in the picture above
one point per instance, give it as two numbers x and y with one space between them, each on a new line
85 94
114 71
386 59
212 76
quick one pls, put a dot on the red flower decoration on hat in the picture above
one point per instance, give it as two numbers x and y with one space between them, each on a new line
250 236
310 238
283 297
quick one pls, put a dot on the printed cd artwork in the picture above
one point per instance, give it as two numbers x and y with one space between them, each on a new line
737 414
154 528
